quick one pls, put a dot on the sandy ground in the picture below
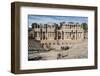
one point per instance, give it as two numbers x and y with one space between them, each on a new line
77 51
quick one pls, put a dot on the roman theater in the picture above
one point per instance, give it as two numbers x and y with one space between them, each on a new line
60 36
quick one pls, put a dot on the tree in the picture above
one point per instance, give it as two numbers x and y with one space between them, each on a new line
84 26
34 25
77 23
71 22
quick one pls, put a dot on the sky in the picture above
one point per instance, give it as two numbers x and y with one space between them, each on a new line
55 19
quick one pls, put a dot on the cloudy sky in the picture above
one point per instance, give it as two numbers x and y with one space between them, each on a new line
55 19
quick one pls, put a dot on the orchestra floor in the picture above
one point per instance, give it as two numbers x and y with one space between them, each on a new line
77 51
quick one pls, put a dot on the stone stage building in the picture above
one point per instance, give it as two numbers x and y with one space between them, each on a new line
57 36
